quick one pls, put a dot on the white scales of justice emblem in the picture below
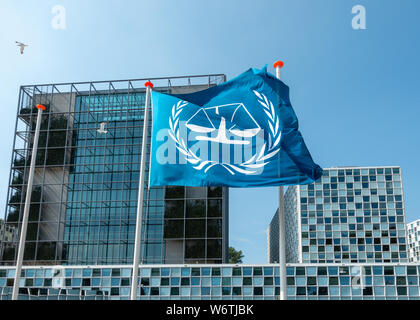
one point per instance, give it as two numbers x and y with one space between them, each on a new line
238 118
234 119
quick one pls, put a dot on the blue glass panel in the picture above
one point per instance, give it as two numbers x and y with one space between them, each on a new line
344 281
175 272
356 291
236 281
390 291
145 272
164 272
205 291
268 271
291 291
195 281
300 281
333 271
322 281
195 291
76 273
312 291
345 291
205 271
126 272
247 291
311 271
412 280
185 291
124 291
115 282
258 281
106 272
87 273
155 281
185 272
175 281
30 273
106 282
226 281
205 281
215 281
96 282
400 270
378 281
164 291
268 291
226 291
76 282
227 272
216 291
389 280
377 270
413 291
334 291
247 271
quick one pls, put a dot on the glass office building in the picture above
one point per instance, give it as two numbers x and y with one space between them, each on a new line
413 241
350 215
217 282
84 198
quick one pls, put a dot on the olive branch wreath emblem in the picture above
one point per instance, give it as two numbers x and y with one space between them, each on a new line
258 160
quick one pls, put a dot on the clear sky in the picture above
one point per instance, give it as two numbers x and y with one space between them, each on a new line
355 92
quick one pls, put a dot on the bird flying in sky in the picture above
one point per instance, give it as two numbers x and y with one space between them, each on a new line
22 46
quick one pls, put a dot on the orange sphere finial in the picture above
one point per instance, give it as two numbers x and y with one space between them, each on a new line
149 84
278 64
40 106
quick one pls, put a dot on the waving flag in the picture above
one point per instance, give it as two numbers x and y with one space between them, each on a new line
242 133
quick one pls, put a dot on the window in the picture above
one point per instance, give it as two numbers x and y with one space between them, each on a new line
174 209
196 208
174 192
174 229
214 208
195 228
194 249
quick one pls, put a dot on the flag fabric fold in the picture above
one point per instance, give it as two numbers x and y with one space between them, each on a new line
241 133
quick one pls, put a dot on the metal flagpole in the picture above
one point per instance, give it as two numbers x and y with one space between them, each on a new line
21 248
139 222
282 229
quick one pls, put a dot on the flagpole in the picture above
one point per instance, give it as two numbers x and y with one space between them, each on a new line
282 229
22 240
139 221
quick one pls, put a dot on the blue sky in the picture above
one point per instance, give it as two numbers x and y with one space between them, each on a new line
355 92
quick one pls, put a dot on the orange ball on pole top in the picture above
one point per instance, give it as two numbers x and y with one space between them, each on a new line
278 64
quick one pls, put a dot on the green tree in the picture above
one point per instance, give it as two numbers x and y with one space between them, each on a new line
235 256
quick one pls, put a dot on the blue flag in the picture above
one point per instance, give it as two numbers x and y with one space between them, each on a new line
242 133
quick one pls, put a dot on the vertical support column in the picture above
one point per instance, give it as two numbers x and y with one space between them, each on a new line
282 230
139 221
22 240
